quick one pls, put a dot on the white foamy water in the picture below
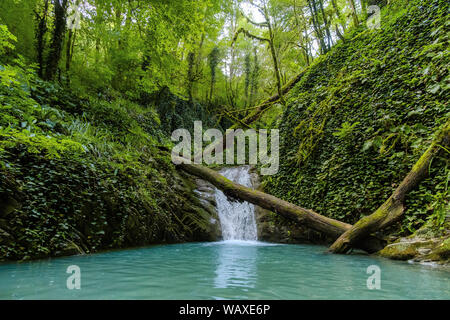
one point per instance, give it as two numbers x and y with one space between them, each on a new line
237 219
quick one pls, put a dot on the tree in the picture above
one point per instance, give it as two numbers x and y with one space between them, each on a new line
254 77
392 209
41 29
269 40
354 13
247 70
317 26
213 59
54 56
302 33
73 17
190 77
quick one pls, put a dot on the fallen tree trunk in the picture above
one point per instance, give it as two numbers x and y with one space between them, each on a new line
391 210
357 236
305 217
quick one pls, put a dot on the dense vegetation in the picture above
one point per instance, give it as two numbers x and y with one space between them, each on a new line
91 91
363 115
87 185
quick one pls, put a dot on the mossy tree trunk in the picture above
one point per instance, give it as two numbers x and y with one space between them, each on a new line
357 236
41 30
305 217
59 30
392 209
354 13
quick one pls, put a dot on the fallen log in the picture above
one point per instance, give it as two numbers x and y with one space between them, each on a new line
305 217
392 209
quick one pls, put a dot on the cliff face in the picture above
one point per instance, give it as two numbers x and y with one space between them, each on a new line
364 113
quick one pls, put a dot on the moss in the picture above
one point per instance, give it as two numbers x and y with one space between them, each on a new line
402 250
443 250
367 81
92 182
418 248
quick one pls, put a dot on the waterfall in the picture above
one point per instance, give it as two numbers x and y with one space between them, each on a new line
236 218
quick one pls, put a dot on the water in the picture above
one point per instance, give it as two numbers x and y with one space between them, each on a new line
237 219
222 270
238 268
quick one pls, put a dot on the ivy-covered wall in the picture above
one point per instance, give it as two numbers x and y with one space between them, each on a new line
364 113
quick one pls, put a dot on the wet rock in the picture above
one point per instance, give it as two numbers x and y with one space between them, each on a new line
206 192
69 249
206 195
426 245
200 209
404 250
272 228
442 251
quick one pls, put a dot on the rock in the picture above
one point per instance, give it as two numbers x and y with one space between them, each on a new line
424 251
400 251
202 209
198 217
442 251
254 178
69 249
418 250
272 228
207 197
429 244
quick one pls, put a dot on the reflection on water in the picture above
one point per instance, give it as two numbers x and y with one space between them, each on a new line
237 255
222 270
237 265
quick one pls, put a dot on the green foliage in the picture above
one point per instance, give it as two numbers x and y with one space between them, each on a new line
176 113
346 130
82 155
84 171
362 116
6 39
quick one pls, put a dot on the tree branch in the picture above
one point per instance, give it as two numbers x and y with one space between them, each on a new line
258 24
249 35
392 209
